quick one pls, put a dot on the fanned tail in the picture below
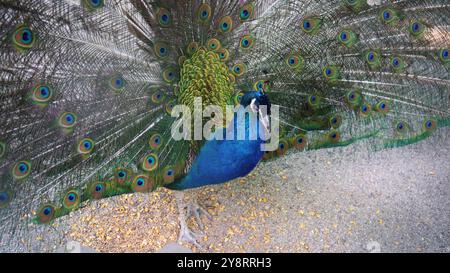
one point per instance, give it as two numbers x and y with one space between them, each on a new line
344 71
87 87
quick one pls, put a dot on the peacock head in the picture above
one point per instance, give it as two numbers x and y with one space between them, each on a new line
259 104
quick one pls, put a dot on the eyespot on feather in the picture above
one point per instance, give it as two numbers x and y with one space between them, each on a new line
226 24
164 17
67 120
150 162
21 169
246 12
23 37
142 183
46 213
85 146
204 13
72 199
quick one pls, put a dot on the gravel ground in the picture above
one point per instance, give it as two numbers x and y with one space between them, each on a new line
334 200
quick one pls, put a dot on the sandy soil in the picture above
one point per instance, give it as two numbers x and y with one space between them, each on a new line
335 200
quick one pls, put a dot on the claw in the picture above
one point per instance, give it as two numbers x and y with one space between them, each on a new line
187 235
195 210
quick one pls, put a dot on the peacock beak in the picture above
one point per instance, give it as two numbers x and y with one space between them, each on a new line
263 116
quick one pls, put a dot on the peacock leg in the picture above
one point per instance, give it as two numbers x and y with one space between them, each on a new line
186 234
196 210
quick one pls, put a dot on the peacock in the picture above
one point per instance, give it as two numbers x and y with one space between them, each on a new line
89 88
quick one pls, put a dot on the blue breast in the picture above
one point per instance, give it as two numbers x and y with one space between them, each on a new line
220 161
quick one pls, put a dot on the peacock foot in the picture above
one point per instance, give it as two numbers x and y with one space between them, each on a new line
196 210
186 211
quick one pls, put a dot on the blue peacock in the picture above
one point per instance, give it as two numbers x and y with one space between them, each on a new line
88 88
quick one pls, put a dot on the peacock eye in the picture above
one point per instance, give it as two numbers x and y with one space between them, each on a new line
98 187
93 5
41 94
245 43
72 200
23 37
169 74
204 12
155 141
71 197
85 146
95 2
246 12
417 28
44 91
23 167
430 125
140 182
67 120
164 17
395 62
306 24
224 25
26 36
117 83
150 162
47 211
